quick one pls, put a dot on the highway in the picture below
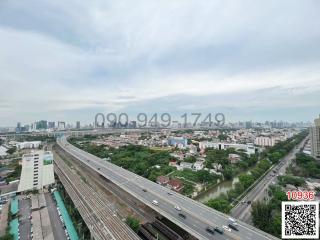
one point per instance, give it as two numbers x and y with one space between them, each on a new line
242 210
198 216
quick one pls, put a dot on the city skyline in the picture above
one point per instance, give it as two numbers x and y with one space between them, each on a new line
241 59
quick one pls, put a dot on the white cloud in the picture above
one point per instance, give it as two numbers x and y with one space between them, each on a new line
70 56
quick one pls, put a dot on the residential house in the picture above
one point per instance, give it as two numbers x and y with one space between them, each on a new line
175 184
184 165
173 163
233 158
163 180
198 165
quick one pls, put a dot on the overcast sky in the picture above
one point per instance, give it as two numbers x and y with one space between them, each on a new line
67 60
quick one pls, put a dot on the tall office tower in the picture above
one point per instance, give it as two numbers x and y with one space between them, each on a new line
51 125
18 128
61 125
315 138
248 124
78 124
43 124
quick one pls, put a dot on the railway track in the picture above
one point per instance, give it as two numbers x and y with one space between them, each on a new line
95 210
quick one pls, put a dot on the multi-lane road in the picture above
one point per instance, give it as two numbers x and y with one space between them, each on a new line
242 210
198 216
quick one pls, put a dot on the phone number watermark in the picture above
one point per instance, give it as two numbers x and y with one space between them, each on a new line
142 120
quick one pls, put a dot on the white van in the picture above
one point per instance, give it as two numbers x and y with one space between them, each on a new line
233 221
155 202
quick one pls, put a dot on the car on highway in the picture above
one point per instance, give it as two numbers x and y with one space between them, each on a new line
99 168
218 230
169 193
155 202
145 190
177 208
210 230
232 226
182 215
226 228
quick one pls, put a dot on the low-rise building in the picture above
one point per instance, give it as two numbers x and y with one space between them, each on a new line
175 184
248 148
28 145
198 165
234 158
173 163
192 149
163 180
184 165
3 151
264 141
178 142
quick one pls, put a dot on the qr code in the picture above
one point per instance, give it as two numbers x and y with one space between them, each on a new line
300 220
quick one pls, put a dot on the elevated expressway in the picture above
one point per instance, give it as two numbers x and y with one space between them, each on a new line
198 216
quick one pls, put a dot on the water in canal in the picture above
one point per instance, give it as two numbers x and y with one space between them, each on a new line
221 187
214 192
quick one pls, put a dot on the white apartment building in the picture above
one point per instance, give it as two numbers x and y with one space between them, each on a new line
315 139
37 170
264 141
249 148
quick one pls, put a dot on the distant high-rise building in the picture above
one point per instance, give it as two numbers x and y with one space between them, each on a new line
248 125
315 138
133 124
78 124
43 124
33 126
18 128
51 125
61 125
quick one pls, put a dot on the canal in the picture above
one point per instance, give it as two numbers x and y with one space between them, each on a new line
221 187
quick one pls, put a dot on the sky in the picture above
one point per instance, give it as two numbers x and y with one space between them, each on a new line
67 60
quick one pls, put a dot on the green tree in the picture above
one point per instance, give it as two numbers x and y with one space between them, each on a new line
188 188
133 223
228 173
293 180
11 150
246 179
221 204
261 215
223 137
204 176
7 236
190 159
